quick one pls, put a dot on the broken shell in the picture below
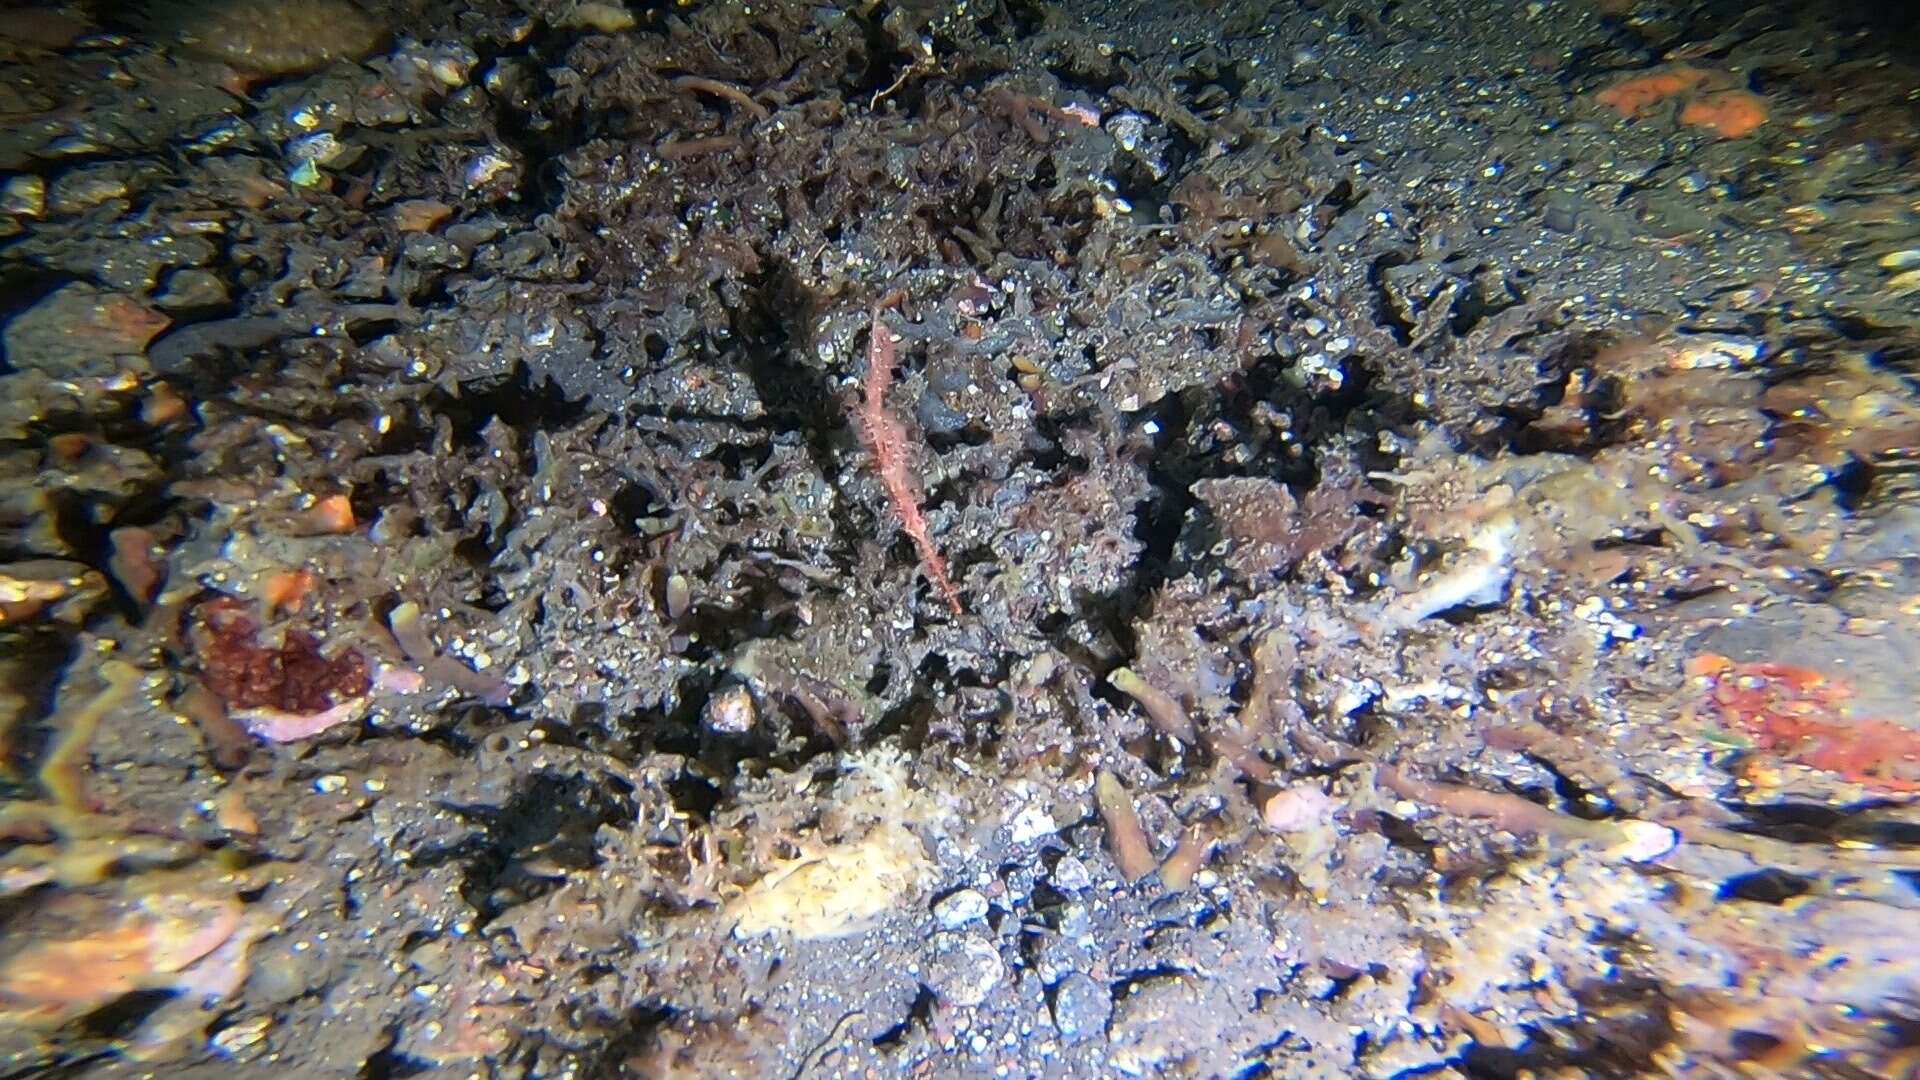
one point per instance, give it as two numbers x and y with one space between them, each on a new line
322 149
837 889
1643 840
679 595
1716 352
278 725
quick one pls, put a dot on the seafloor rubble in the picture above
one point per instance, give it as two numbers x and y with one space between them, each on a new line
545 538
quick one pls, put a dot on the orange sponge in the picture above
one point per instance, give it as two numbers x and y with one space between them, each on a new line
1636 95
1728 114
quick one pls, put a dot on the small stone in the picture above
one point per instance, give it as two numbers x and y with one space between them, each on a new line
1071 875
25 196
679 595
483 169
1072 920
1017 882
730 711
452 69
963 974
236 1041
1081 1007
323 148
188 290
1030 824
307 175
87 186
420 215
81 331
606 18
957 909
1299 808
267 37
1053 957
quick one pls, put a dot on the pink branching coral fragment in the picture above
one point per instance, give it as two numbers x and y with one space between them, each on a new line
887 440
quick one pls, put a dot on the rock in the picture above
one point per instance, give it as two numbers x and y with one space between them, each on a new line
965 971
80 331
270 38
1071 875
958 909
83 187
1081 1007
23 196
1030 825
419 215
1150 1029
730 711
1052 957
1073 920
190 289
606 18
1018 881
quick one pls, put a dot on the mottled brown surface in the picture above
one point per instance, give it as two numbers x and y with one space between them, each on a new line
1348 433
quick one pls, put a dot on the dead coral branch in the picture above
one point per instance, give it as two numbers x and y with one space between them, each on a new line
887 440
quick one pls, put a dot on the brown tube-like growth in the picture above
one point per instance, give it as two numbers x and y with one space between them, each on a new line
1166 713
1126 839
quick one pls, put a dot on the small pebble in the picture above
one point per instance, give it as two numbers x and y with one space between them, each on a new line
1029 825
86 186
965 973
958 909
1071 875
190 289
267 37
1081 1007
730 711
606 18
419 215
1073 920
25 196
79 330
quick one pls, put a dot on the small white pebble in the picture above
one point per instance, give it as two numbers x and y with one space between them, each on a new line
960 908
